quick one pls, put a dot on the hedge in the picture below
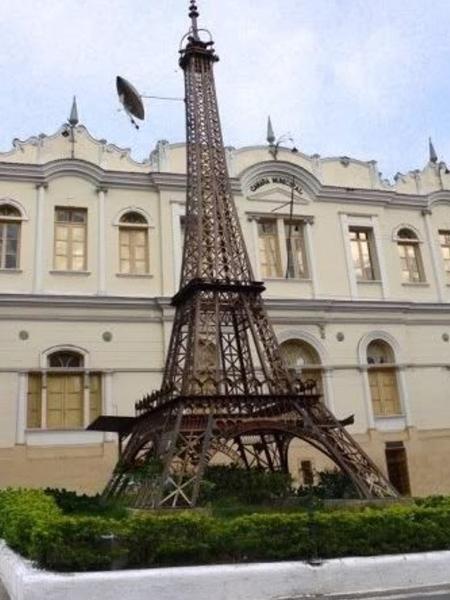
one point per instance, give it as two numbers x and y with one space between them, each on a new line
33 524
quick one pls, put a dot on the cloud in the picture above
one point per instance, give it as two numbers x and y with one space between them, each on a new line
375 72
342 76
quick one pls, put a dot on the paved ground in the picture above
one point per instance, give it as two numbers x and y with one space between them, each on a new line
413 596
419 594
436 593
428 593
3 594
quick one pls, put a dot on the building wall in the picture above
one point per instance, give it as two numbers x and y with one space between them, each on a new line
42 309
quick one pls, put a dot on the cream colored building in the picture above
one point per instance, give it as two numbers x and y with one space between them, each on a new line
90 254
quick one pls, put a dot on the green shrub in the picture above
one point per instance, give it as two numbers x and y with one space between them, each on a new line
171 540
393 530
331 484
34 525
433 502
79 544
268 537
252 486
21 511
82 504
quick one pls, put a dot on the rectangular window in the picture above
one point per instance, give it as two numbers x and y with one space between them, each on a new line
295 249
384 392
9 245
64 396
444 239
269 250
133 250
397 467
363 253
70 239
410 262
64 401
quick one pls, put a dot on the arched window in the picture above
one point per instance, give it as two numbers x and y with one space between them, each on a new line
410 258
64 396
302 358
133 244
10 223
65 359
383 379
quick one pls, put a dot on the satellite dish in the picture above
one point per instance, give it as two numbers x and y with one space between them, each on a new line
131 100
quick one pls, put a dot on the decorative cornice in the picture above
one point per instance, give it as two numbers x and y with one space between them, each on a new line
324 306
43 174
40 175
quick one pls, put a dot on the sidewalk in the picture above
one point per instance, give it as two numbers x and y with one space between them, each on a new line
3 593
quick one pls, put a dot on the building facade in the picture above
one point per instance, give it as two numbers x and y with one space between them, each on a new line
357 271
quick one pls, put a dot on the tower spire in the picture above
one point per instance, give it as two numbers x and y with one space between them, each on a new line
270 133
193 15
73 118
432 152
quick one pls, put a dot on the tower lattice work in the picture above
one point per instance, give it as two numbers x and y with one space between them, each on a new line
225 387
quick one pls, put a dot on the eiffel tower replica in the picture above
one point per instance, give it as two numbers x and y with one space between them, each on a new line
225 387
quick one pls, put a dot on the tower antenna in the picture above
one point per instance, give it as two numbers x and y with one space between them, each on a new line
194 15
432 152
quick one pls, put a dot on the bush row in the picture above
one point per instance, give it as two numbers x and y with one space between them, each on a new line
33 524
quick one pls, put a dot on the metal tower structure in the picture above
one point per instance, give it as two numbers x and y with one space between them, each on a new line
225 386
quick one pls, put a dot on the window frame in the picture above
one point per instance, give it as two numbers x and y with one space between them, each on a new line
70 225
413 242
371 249
262 240
134 228
45 373
5 220
446 261
301 225
308 370
281 223
375 371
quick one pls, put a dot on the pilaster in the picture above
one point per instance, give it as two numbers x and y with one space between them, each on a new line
101 242
253 250
21 414
380 249
311 257
108 402
436 259
353 289
367 398
39 252
328 389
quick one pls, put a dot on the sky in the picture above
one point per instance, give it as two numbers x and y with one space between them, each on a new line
354 78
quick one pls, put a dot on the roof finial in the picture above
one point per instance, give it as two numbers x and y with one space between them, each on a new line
433 155
73 119
270 134
193 15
